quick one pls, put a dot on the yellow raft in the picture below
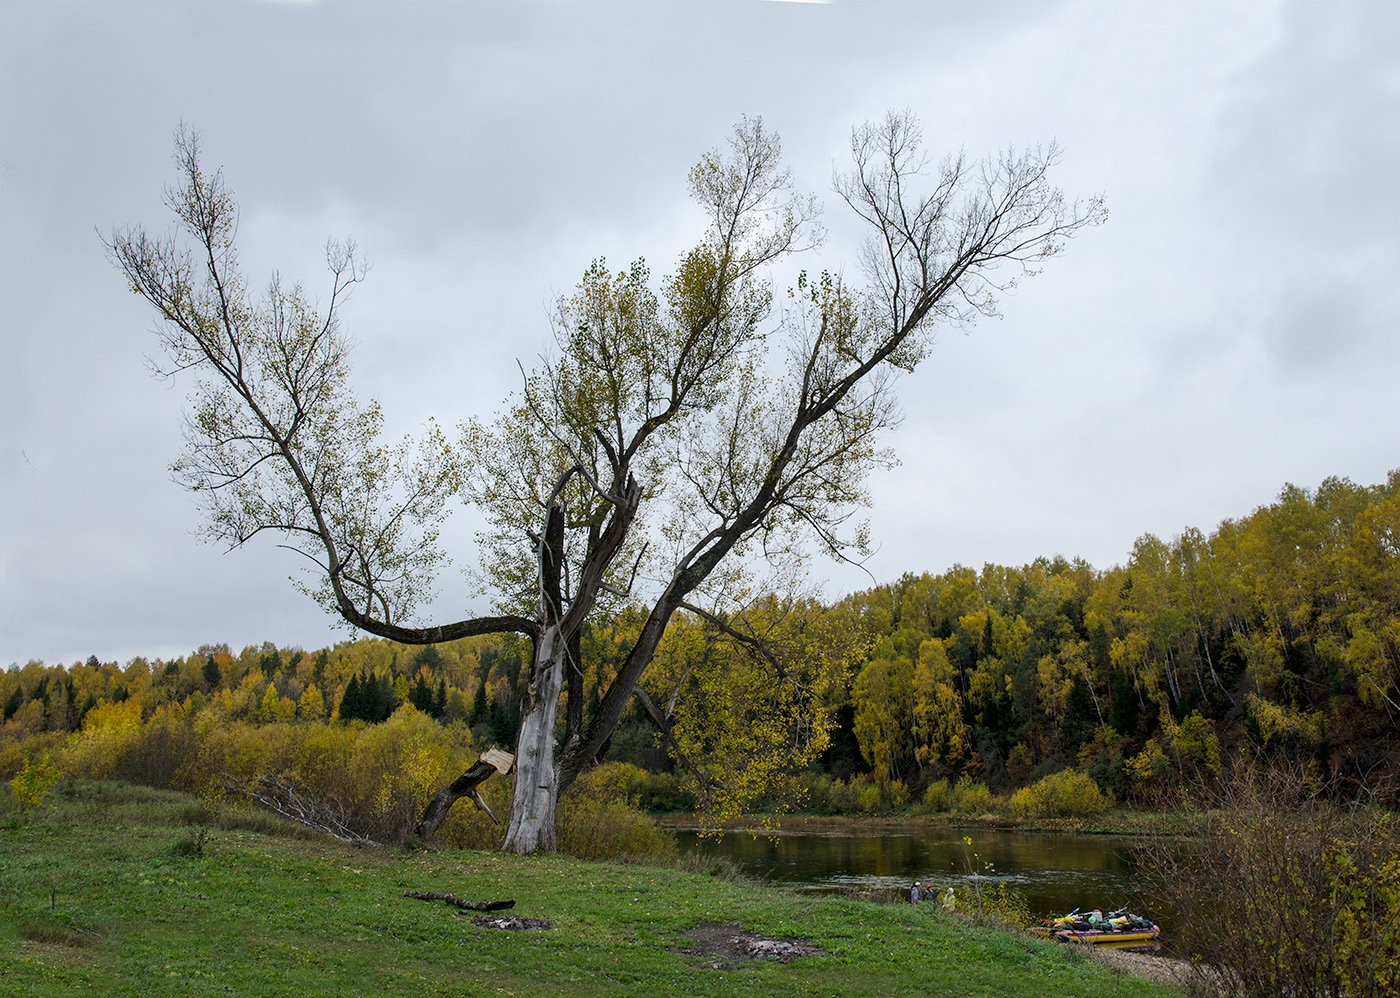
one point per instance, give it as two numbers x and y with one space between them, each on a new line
1118 931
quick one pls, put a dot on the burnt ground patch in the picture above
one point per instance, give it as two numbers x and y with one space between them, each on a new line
729 941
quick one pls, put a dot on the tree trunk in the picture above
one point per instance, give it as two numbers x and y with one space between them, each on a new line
536 782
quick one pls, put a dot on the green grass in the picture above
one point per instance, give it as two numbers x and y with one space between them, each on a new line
109 890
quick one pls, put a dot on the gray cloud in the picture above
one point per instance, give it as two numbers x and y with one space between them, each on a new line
1231 328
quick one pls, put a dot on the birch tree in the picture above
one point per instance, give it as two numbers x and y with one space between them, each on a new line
678 432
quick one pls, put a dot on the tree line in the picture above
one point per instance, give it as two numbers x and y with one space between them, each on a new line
1276 634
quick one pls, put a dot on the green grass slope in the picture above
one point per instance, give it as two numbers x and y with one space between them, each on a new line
113 890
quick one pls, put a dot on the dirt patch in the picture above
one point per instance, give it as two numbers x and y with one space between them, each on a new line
730 942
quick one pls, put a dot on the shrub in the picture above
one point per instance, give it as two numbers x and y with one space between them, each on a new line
818 791
612 781
983 899
32 784
1367 931
939 796
663 792
1065 794
898 795
839 798
1110 772
370 781
152 754
379 777
719 867
1291 891
16 749
860 795
784 792
999 905
968 797
468 827
870 799
598 818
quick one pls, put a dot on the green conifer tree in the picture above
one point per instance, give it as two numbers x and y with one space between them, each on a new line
352 703
383 703
211 673
479 705
420 696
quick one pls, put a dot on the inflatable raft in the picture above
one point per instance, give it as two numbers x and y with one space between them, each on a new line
1116 930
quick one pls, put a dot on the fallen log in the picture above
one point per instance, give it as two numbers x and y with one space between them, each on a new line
455 900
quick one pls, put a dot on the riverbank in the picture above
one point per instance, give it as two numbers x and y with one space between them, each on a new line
123 891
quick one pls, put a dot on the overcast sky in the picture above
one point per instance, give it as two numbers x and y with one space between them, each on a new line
1232 328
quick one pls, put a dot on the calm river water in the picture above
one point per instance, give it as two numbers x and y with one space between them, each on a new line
1054 872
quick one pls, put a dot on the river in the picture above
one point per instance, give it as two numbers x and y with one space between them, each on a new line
1054 872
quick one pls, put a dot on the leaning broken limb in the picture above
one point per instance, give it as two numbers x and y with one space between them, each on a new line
493 760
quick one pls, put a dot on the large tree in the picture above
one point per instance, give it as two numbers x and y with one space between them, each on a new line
678 434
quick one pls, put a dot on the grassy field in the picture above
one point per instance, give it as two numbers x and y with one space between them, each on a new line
116 890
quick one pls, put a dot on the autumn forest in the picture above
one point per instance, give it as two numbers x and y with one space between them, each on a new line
1277 634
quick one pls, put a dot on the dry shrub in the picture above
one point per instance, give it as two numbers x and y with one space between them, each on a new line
1291 891
152 755
985 901
598 818
376 779
55 930
719 867
1065 794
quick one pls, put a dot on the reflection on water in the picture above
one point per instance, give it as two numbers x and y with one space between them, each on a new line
1054 872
